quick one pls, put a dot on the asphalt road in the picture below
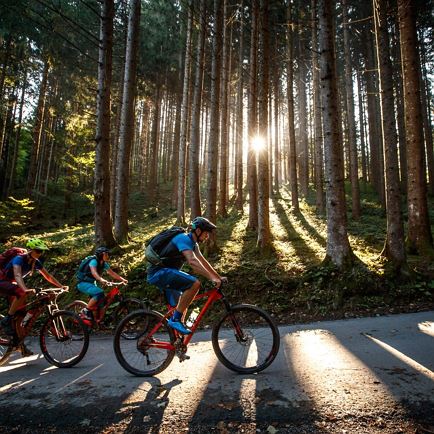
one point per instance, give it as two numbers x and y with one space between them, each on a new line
364 375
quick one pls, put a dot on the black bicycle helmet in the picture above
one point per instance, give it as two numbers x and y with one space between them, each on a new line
100 250
203 224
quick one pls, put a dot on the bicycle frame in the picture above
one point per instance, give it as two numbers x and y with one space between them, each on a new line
212 296
108 300
45 300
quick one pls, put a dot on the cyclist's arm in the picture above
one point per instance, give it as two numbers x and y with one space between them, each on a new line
116 275
198 267
205 263
49 278
18 276
96 276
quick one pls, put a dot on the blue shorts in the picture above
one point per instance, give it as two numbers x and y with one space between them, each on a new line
172 282
90 289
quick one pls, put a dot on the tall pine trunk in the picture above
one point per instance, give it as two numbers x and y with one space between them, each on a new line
419 237
264 233
103 221
318 146
352 141
214 136
338 247
394 248
252 177
292 160
194 149
180 217
127 124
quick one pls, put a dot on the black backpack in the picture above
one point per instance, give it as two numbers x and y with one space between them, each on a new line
155 246
84 274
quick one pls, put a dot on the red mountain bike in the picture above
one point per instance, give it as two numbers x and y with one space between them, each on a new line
63 337
122 306
245 339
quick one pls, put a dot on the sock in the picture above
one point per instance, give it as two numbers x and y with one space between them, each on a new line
177 316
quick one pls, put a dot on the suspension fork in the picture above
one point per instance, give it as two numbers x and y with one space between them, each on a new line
237 326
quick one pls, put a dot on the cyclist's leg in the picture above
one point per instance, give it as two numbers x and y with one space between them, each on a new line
169 279
9 289
95 293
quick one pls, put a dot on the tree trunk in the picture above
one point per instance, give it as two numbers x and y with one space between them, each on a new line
338 247
394 248
253 119
194 149
154 147
225 122
37 131
292 161
240 105
352 141
127 124
103 221
419 237
17 136
180 218
214 135
302 154
318 153
264 233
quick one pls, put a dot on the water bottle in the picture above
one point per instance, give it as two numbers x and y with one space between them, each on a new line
193 315
26 319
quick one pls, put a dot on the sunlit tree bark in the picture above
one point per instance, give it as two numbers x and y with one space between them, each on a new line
338 247
394 248
103 221
419 237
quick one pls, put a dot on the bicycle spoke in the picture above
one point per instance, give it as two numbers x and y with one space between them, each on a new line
143 354
246 340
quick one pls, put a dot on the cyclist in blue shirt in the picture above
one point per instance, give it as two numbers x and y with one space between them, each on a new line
91 274
12 284
175 283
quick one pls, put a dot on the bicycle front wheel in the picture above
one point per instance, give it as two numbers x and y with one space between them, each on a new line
150 346
246 340
126 307
64 339
6 346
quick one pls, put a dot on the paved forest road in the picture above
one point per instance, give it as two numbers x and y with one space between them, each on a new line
356 376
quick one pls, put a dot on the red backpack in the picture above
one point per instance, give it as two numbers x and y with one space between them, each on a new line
8 255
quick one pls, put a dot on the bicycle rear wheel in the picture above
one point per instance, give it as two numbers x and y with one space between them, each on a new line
149 350
76 306
246 340
6 346
64 339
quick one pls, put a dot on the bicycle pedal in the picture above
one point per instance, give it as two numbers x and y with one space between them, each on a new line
183 357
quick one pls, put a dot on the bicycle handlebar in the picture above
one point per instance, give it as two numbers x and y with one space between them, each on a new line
47 291
115 284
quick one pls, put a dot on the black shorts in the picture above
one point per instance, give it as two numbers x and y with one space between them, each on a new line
9 289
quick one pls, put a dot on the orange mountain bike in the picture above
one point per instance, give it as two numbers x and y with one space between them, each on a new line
245 339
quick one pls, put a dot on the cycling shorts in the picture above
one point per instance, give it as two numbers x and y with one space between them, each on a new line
172 283
9 289
90 289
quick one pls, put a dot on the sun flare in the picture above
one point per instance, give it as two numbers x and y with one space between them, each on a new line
258 143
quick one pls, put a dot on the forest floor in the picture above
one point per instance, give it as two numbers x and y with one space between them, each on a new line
290 281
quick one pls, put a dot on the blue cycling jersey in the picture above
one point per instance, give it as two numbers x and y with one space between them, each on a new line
23 262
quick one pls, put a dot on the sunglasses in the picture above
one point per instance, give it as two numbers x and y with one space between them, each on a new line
38 251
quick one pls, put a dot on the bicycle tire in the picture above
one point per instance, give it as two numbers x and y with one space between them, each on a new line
125 307
134 355
76 306
256 349
71 346
6 346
